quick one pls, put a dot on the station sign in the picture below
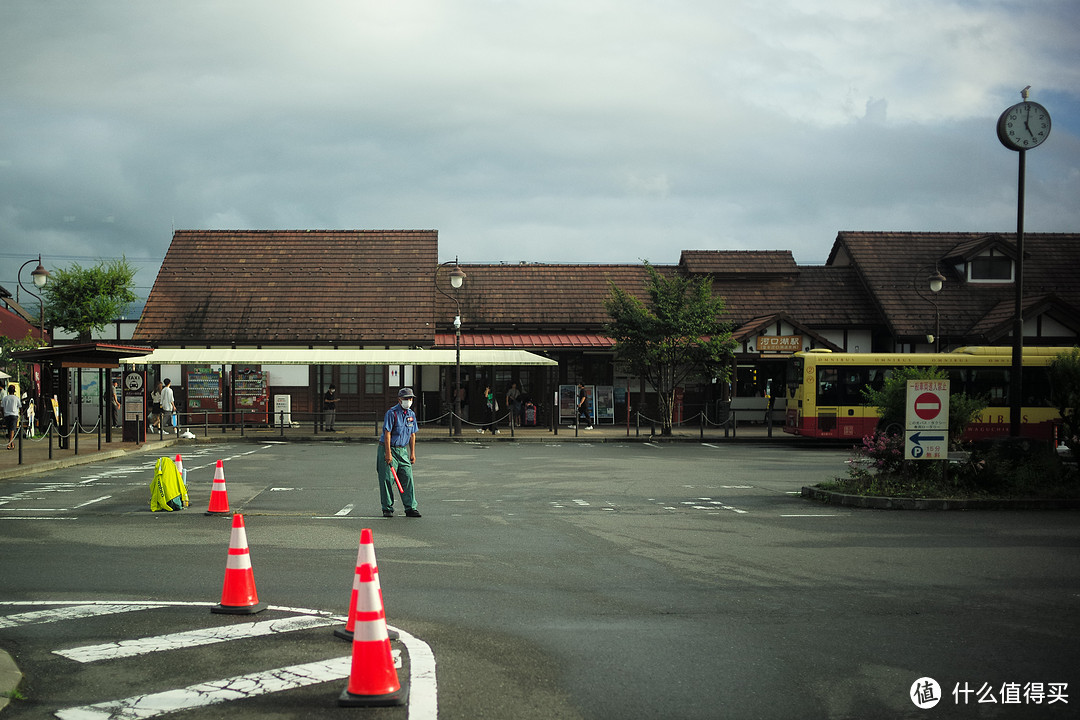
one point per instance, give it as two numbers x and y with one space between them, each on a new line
926 427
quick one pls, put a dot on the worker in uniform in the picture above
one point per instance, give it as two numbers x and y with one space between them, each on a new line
397 449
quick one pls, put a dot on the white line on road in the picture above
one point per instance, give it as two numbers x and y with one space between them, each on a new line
91 502
191 638
809 515
345 510
212 693
69 613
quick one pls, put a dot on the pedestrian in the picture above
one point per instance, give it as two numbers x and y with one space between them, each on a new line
513 401
330 408
168 402
155 408
397 450
583 406
491 406
114 404
11 415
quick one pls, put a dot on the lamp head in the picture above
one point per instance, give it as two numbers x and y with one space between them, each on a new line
40 274
936 281
457 277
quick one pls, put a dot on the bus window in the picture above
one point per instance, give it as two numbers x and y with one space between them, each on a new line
1037 391
854 382
990 383
828 389
876 377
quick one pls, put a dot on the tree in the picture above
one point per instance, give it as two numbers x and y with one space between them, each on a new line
1065 382
891 402
82 300
678 333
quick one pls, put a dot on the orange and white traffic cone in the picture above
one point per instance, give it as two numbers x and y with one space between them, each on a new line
373 680
366 554
238 595
219 496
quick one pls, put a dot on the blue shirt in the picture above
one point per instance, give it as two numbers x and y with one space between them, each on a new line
401 424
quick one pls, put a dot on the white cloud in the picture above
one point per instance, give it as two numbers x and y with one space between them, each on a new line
588 130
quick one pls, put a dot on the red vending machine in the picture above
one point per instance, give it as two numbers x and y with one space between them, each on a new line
204 397
249 395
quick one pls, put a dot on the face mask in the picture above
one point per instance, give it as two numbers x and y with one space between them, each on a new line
406 404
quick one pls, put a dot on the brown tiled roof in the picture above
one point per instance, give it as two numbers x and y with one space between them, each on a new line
350 288
537 296
895 267
739 262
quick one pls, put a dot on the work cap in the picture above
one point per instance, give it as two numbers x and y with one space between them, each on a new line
405 393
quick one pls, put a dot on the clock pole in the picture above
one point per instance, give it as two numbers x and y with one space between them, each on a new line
1016 385
1011 128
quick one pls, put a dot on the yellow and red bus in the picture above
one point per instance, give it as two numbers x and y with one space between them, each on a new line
825 400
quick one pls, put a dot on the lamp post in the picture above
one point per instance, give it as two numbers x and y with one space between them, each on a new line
40 277
936 282
457 279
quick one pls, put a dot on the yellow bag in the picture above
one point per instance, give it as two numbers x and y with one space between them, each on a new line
167 489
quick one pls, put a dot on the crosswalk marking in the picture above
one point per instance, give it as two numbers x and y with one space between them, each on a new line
212 693
191 638
36 617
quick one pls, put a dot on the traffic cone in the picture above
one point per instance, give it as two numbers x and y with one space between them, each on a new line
373 680
238 595
219 496
366 554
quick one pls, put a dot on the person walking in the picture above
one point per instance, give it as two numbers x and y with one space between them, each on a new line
397 449
330 399
168 403
155 408
583 407
11 415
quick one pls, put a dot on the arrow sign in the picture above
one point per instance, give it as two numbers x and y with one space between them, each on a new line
918 438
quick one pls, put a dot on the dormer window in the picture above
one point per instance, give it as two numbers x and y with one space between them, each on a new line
990 266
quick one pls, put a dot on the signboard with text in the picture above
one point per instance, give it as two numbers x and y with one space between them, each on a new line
780 343
926 427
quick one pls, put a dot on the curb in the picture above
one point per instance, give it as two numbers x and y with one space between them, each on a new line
870 502
10 677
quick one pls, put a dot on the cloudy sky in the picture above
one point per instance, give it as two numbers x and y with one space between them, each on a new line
549 131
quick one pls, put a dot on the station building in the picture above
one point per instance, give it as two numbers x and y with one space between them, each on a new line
367 290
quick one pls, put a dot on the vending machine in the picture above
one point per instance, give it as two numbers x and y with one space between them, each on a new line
249 394
204 396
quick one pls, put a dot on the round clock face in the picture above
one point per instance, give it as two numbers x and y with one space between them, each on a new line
1023 126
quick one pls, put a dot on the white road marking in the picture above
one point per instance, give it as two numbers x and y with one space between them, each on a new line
809 515
345 510
91 502
36 617
192 638
423 691
716 447
212 693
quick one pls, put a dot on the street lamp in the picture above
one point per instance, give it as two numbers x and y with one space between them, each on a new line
40 277
457 279
936 282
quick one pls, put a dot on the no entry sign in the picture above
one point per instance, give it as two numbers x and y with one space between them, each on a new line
928 405
927 420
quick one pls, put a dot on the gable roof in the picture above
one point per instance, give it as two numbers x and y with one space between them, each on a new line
293 287
894 268
537 296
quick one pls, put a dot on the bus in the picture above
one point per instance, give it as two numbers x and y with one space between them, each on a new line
825 399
